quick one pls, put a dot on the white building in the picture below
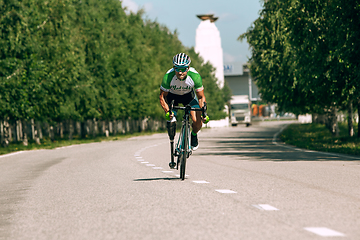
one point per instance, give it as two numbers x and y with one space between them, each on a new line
238 78
208 45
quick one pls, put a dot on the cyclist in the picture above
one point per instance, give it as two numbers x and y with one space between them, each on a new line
183 84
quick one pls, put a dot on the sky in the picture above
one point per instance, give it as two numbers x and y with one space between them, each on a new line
235 17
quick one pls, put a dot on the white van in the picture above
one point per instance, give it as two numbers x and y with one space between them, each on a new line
240 110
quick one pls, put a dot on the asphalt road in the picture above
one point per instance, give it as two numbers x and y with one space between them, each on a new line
241 184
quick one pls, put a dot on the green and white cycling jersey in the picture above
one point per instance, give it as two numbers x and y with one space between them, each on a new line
176 86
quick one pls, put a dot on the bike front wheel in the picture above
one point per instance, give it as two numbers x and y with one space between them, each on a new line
182 165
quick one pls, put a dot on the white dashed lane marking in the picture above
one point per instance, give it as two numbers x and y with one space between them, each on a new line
225 191
179 175
266 207
200 181
321 231
324 232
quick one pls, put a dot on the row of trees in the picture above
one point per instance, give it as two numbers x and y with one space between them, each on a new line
306 56
87 59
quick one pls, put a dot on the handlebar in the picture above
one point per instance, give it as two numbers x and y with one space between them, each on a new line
189 108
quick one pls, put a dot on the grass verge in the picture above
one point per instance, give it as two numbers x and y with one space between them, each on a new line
318 137
46 143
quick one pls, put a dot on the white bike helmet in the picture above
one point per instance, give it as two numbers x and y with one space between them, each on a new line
181 60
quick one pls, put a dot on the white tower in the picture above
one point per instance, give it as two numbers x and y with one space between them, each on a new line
208 45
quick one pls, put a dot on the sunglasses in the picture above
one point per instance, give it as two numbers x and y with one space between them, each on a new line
181 69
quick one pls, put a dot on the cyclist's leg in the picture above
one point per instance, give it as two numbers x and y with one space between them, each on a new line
196 124
171 125
195 116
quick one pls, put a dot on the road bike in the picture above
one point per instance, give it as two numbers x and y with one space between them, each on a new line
183 148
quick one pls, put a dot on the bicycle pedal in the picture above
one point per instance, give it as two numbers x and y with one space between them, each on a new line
172 165
176 153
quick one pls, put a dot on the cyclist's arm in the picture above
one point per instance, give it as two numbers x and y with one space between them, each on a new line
163 103
201 96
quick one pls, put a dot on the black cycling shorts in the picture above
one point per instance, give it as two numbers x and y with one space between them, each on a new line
189 98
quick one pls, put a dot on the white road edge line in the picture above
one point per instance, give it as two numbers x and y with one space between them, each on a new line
10 154
70 146
324 232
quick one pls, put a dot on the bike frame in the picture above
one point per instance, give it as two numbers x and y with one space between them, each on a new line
183 149
182 146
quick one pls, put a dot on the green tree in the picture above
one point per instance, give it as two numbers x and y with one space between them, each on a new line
299 51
